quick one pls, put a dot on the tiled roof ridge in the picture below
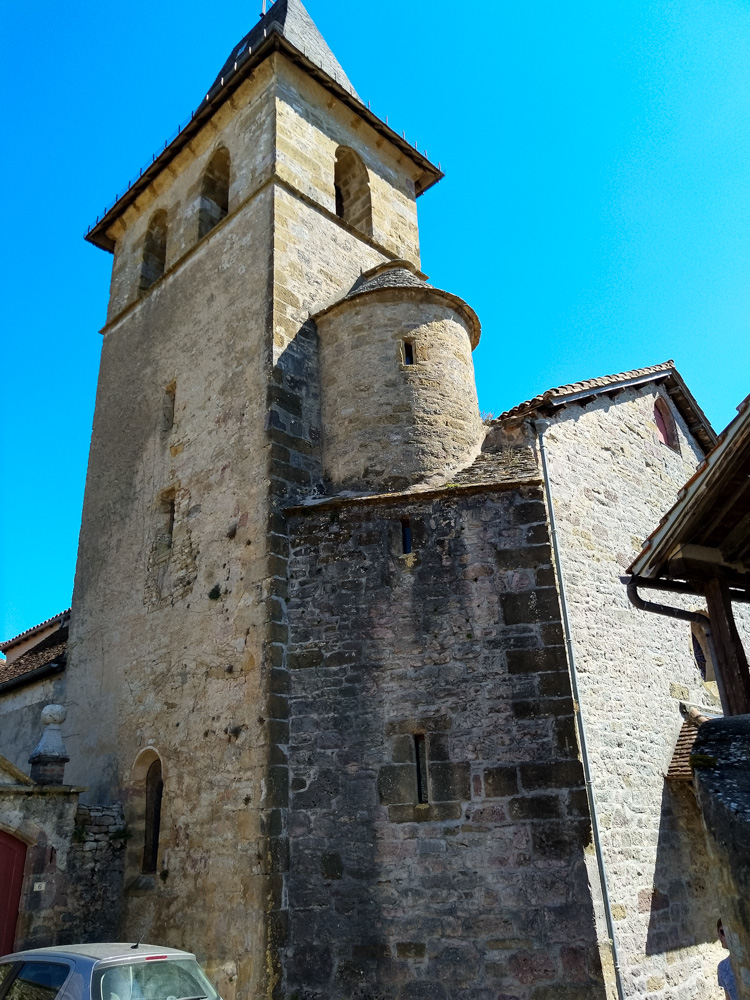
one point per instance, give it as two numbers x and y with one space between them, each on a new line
573 388
34 628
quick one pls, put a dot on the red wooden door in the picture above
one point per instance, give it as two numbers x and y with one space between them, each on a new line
12 858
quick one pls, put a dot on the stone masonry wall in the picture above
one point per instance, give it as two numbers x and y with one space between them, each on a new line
437 675
95 875
612 480
169 618
72 887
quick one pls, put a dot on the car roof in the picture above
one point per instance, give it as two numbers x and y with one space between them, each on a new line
101 952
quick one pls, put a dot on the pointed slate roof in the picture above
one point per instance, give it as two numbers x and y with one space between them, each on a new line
290 19
403 274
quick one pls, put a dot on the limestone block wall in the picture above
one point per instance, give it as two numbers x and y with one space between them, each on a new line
279 123
386 423
437 817
169 621
612 480
245 127
311 125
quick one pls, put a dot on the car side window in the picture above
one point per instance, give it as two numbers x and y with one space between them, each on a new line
5 968
38 981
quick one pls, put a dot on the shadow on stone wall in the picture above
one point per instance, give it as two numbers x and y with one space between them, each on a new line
682 906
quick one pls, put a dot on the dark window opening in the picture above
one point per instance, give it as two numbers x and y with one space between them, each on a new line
168 407
166 527
154 791
700 656
351 185
154 250
406 535
214 204
420 752
408 352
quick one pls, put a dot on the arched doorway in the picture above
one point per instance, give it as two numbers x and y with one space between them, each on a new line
12 858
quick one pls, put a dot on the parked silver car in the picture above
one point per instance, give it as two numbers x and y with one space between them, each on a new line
103 972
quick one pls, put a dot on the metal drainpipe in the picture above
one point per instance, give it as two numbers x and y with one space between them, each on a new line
540 426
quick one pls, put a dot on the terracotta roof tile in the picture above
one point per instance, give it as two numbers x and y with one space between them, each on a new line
50 650
558 394
679 767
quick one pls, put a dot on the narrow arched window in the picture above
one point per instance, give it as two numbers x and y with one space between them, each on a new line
214 204
352 189
154 790
154 250
665 425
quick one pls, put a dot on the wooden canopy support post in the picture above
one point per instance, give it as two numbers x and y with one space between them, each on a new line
729 650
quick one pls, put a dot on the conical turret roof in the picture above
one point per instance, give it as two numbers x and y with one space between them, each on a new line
290 19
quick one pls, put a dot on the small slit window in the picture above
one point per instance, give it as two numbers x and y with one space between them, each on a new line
168 407
214 204
154 792
665 426
408 352
154 250
406 535
420 754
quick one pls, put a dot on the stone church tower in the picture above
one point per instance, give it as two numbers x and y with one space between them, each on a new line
221 402
317 651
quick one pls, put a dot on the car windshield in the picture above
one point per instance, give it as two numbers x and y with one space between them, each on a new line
175 979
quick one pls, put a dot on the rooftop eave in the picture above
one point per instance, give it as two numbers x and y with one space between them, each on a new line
273 42
667 539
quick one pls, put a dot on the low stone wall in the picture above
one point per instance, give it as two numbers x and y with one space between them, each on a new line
95 875
73 873
721 770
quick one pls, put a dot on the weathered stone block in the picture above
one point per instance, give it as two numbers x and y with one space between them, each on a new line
397 783
539 605
304 659
555 774
535 807
449 782
500 782
537 660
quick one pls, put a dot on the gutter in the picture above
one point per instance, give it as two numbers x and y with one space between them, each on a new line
46 670
540 426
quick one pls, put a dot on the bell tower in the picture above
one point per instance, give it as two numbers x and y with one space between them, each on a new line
264 211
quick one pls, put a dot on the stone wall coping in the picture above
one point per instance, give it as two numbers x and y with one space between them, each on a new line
42 789
348 499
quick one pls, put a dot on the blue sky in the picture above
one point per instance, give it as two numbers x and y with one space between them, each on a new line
595 210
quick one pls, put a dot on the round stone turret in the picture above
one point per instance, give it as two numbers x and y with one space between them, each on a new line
398 398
